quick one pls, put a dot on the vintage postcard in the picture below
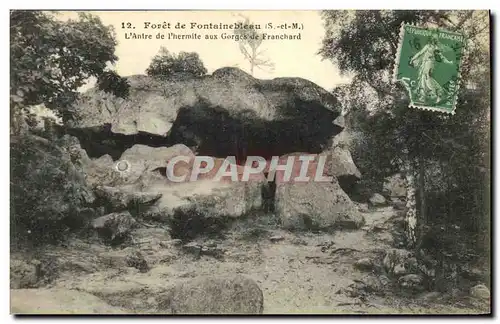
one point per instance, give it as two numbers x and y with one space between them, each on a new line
250 162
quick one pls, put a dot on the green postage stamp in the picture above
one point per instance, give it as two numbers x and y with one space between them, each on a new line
428 64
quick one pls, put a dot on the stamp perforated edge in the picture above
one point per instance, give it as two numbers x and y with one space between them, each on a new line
459 73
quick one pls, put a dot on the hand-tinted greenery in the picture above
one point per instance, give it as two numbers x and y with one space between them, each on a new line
449 154
250 41
50 58
111 82
166 64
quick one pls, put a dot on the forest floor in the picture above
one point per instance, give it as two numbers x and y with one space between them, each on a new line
299 273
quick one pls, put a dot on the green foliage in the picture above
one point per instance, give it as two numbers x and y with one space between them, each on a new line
111 82
166 64
45 188
50 59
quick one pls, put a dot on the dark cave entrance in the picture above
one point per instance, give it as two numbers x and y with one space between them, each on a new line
101 141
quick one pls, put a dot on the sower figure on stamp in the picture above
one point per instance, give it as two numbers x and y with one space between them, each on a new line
424 61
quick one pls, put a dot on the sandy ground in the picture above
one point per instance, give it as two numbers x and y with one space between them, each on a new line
297 272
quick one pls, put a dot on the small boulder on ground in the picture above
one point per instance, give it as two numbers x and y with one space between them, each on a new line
480 291
137 260
362 207
411 283
377 200
103 171
23 273
315 205
214 295
203 206
114 225
192 248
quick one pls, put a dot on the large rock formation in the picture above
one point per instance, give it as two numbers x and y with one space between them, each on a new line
203 206
226 113
316 201
23 273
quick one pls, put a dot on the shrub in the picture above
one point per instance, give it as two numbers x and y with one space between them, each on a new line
110 82
45 188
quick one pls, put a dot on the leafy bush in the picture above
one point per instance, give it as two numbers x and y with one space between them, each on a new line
166 64
50 59
45 188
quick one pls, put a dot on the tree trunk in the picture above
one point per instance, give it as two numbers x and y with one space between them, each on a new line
415 220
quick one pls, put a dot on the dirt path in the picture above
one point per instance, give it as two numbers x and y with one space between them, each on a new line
297 272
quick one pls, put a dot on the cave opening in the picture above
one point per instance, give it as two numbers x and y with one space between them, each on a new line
101 141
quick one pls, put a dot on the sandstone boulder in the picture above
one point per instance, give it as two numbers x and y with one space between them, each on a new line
47 186
295 162
336 162
124 197
23 273
364 264
377 200
114 225
214 295
102 171
315 205
340 164
204 205
480 291
398 203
